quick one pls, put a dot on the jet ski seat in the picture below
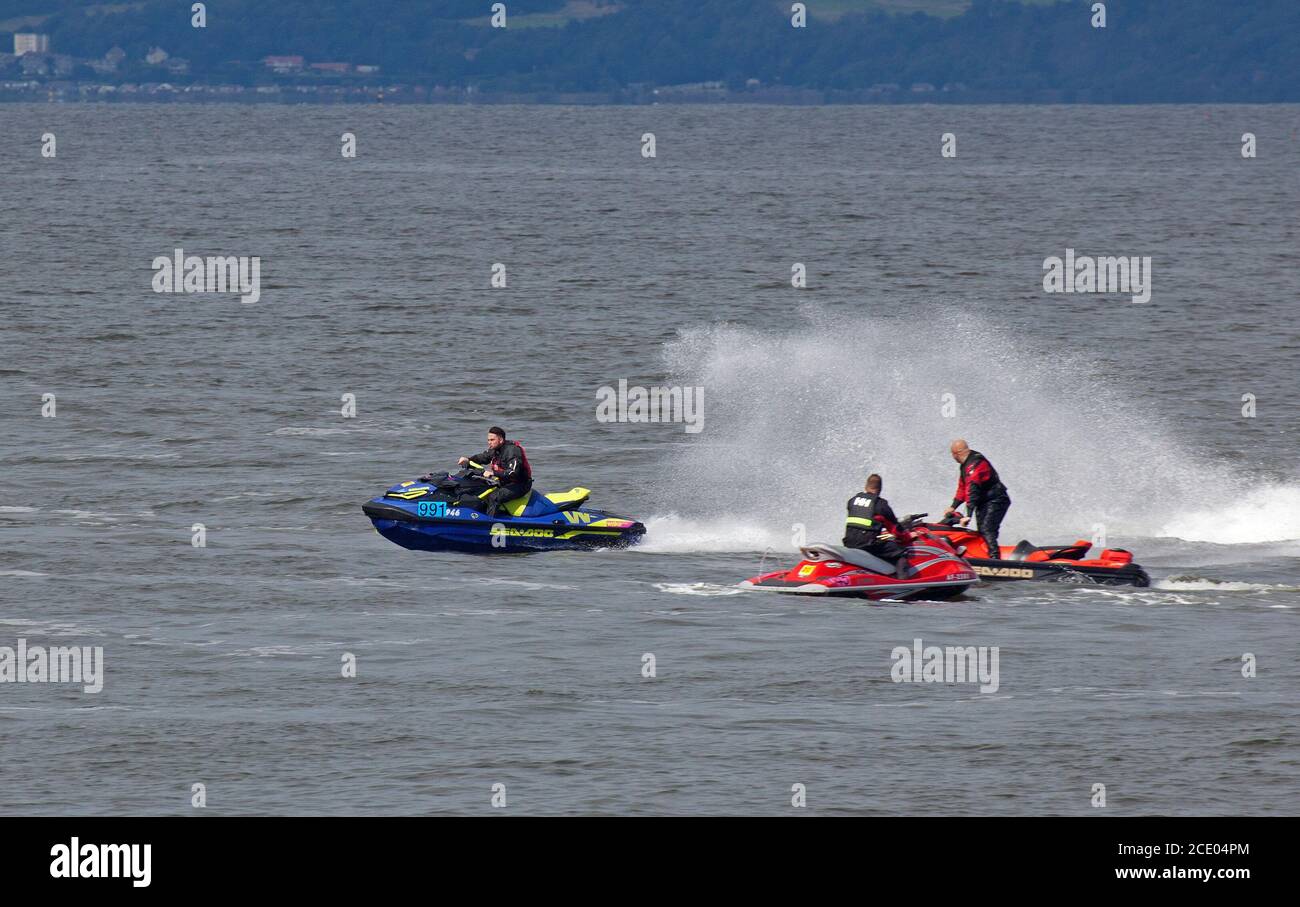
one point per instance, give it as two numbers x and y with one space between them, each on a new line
569 500
535 504
1073 552
819 551
1022 550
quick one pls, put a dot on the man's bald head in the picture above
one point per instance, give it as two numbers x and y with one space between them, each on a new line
960 450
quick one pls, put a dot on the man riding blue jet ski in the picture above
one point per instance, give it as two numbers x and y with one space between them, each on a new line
490 506
506 466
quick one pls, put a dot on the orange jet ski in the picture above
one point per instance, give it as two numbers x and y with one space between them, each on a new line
1051 563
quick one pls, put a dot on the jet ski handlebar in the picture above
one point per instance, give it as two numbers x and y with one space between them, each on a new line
912 520
907 524
472 470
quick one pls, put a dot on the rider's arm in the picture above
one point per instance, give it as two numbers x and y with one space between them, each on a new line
887 519
960 496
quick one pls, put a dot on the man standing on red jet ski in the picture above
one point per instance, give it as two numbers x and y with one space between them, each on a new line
506 462
869 516
982 491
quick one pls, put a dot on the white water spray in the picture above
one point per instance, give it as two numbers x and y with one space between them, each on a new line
797 418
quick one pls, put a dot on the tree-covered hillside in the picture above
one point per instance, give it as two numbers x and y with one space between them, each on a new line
1150 50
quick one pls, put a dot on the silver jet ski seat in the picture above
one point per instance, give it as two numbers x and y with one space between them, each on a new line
820 551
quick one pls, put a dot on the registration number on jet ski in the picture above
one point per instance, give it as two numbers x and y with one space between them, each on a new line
431 508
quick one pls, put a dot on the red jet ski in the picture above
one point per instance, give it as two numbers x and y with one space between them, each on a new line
1053 563
934 571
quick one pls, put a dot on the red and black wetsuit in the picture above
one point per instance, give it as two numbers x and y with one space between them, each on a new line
870 515
509 464
980 488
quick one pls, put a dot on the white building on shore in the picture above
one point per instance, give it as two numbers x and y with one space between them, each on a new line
30 43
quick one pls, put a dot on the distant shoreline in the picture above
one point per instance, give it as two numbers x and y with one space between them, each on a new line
96 93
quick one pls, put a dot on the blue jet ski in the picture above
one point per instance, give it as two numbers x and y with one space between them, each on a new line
447 514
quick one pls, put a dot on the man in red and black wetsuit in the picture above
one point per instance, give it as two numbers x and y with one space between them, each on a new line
982 491
506 462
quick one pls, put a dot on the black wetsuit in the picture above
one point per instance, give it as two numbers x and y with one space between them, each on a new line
868 516
509 464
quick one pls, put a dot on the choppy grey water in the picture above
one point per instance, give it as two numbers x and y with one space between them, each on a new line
925 279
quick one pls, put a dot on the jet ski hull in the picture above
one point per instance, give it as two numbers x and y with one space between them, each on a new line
874 591
1058 572
934 572
1054 564
419 517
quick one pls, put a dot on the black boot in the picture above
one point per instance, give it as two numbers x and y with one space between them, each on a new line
991 542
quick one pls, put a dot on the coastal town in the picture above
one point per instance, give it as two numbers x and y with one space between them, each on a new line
36 71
